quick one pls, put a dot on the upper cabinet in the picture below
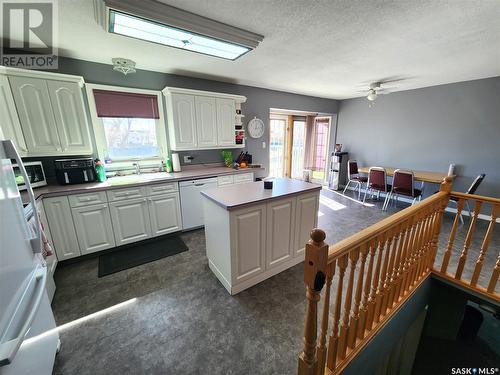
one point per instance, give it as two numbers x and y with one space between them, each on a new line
69 113
201 119
11 127
206 121
48 112
226 114
182 113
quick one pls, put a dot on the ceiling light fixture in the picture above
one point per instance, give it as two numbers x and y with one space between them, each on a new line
160 23
372 95
123 65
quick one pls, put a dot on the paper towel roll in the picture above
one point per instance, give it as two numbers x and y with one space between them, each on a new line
451 170
176 162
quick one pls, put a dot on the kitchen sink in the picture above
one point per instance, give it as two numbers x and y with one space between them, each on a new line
137 178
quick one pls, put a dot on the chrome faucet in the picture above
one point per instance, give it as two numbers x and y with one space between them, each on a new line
137 168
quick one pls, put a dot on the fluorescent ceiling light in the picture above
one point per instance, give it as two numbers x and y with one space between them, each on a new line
136 27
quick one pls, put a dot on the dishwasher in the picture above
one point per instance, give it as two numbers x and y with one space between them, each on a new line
191 203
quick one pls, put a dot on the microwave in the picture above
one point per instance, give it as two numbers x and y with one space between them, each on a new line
35 173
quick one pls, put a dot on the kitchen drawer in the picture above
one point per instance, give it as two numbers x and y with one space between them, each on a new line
80 200
129 193
225 180
243 178
162 188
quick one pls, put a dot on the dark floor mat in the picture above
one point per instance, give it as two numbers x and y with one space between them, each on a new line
134 255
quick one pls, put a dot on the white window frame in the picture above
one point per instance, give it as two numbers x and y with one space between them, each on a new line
100 137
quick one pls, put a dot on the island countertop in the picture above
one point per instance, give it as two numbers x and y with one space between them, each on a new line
235 196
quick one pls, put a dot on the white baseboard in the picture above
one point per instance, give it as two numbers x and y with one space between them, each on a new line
448 209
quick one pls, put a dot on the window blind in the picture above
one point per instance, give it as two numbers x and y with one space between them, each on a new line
125 104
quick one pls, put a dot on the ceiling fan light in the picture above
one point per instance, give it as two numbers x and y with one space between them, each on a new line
372 95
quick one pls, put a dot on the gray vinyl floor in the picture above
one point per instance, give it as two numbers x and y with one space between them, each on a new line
173 316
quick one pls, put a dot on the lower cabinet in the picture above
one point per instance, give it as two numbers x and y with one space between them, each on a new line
248 237
307 218
93 228
280 231
130 220
62 229
165 214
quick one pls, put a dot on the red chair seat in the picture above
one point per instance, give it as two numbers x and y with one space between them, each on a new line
407 192
359 178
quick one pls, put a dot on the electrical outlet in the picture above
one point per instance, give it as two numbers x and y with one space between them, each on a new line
187 159
263 144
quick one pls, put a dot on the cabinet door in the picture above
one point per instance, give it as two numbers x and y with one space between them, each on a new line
93 228
35 113
184 124
248 242
130 220
306 220
206 123
165 214
71 121
62 228
9 120
280 231
226 113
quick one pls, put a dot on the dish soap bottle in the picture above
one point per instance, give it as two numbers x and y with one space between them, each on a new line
168 166
100 170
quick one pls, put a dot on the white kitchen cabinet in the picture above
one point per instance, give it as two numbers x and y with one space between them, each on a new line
70 116
201 119
93 228
248 237
226 112
206 121
181 116
280 231
62 229
52 116
165 214
243 178
130 220
38 124
9 120
307 218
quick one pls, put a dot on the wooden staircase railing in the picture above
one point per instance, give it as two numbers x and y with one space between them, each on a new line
457 276
377 270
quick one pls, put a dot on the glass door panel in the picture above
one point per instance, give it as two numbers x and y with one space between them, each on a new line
322 135
298 148
277 145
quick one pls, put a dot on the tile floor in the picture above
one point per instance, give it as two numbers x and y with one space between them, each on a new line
173 316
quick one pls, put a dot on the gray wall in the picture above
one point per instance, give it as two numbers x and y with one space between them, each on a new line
259 101
428 129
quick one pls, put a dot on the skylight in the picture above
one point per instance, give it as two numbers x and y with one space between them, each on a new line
135 27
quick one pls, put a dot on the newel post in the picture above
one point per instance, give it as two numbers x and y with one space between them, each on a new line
446 184
314 277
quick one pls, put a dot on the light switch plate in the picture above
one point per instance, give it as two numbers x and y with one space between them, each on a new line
263 144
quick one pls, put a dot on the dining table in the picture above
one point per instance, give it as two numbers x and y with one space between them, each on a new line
422 176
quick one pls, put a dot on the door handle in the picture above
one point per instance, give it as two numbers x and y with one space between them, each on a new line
8 350
11 151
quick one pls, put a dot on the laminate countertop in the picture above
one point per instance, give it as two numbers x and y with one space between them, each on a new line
236 196
190 173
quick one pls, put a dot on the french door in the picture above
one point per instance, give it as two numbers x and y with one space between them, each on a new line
292 140
320 148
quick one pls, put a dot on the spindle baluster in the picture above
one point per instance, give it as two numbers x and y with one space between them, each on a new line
321 350
468 240
366 292
345 324
376 281
494 276
484 245
451 238
353 329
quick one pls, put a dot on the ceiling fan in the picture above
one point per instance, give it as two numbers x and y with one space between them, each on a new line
375 88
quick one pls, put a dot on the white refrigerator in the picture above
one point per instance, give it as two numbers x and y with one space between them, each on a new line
28 334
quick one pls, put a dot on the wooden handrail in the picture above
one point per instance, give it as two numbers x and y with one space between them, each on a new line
377 270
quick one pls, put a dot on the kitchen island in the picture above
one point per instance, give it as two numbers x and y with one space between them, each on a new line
253 233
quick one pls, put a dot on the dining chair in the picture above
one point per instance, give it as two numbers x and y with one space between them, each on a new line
377 181
403 184
354 177
472 189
